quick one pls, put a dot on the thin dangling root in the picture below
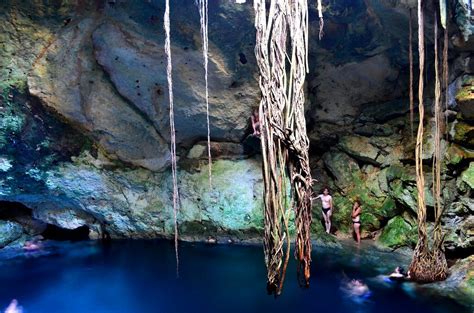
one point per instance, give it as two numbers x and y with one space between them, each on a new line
204 20
410 58
428 264
169 70
446 78
321 20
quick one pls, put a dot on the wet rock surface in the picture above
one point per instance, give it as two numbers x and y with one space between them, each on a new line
84 132
10 231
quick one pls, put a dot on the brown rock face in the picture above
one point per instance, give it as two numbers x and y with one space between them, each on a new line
105 74
69 81
137 68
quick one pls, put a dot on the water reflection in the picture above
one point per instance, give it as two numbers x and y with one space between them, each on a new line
139 276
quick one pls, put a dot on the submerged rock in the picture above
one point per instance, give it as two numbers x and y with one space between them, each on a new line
460 283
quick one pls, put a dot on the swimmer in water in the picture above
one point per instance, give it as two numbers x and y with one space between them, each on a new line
13 307
398 274
356 290
34 244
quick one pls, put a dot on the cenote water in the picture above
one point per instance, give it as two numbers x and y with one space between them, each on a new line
140 276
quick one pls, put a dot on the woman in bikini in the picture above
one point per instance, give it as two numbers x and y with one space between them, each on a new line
326 200
356 211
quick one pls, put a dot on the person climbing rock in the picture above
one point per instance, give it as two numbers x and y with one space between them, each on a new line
255 119
356 211
327 208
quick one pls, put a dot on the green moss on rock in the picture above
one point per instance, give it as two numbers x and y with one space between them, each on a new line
468 285
466 92
468 175
463 134
342 213
398 233
455 154
397 172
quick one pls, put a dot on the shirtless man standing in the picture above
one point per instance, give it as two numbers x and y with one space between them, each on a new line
326 200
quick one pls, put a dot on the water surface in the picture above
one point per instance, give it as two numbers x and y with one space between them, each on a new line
140 276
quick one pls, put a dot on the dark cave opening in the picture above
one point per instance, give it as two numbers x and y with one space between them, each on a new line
23 215
57 233
12 210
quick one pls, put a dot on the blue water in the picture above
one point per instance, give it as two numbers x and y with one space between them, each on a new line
140 276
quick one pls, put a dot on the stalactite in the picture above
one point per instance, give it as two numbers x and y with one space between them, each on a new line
410 57
428 263
284 140
203 13
169 69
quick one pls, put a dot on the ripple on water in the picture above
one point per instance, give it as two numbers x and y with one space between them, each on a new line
139 276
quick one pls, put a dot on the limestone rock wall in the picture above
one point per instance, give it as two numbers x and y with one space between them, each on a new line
84 132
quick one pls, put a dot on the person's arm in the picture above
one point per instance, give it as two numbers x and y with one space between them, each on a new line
356 212
317 197
254 124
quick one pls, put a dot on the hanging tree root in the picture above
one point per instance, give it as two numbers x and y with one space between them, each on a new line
169 69
410 58
428 263
204 21
284 140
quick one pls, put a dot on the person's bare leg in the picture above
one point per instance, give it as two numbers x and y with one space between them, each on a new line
329 221
357 231
325 222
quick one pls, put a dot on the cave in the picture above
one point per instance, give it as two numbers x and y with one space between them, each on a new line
54 232
11 210
161 125
19 213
